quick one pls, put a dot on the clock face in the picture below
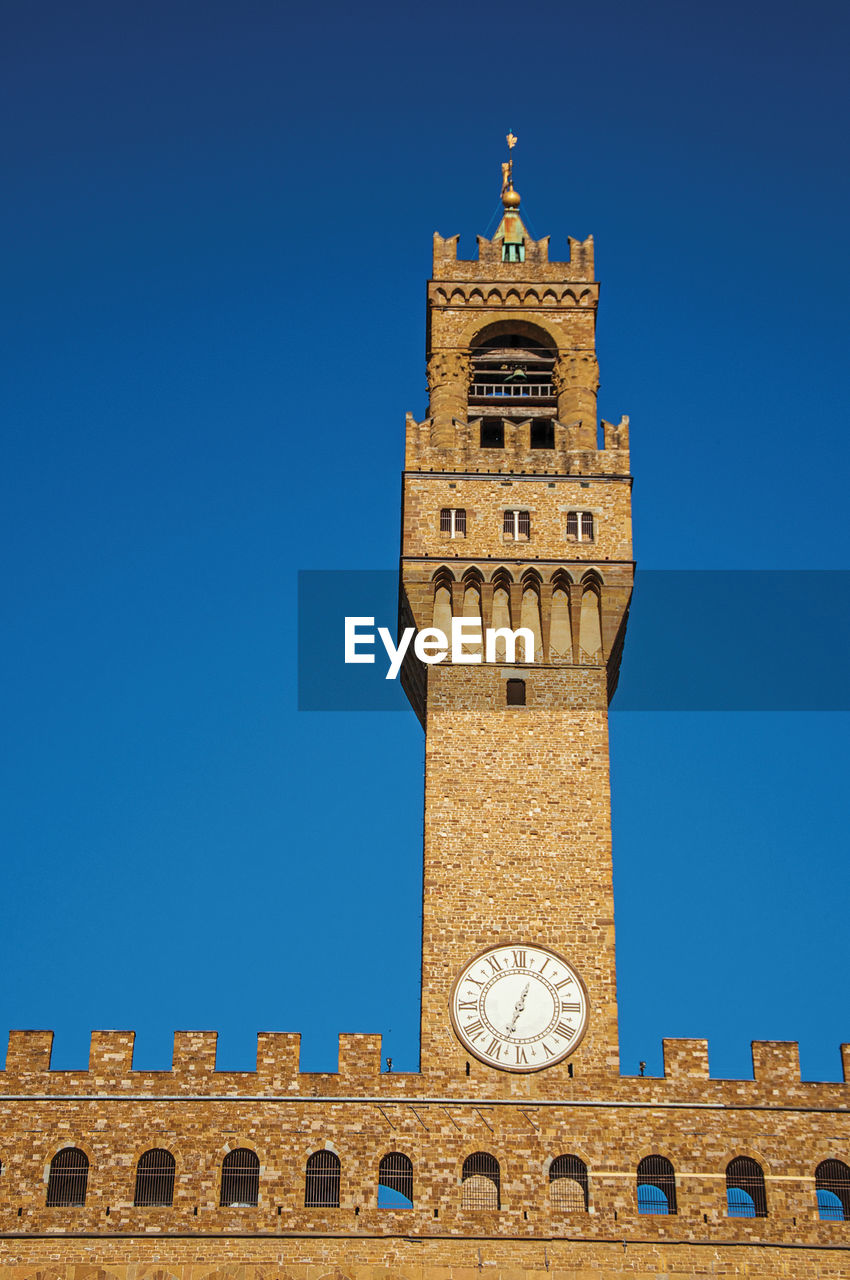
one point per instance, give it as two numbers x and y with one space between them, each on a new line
519 1007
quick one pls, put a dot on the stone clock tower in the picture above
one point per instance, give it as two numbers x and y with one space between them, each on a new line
518 1151
516 512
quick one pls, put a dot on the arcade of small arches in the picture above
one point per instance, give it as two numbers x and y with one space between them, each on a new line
564 616
480 1183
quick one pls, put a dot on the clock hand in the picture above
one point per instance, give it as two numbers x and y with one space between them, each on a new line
518 1008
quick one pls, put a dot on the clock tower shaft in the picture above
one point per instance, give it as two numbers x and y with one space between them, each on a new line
516 512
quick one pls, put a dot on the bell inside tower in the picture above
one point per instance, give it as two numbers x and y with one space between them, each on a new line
511 380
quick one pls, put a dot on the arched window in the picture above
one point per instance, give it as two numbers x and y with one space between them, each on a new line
568 1184
656 1185
69 1175
321 1186
481 1182
240 1178
745 1197
155 1178
832 1180
395 1182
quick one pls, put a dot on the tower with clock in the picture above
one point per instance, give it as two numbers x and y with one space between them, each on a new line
516 513
518 1150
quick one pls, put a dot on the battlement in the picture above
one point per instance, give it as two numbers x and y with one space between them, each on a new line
776 1072
571 452
488 264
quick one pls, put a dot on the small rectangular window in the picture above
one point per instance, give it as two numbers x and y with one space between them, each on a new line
517 525
453 522
513 252
580 526
516 693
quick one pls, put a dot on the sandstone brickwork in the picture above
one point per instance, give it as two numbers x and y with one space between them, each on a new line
517 847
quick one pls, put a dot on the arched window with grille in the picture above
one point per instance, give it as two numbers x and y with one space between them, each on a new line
240 1178
745 1195
68 1179
481 1182
656 1185
155 1178
832 1183
568 1184
395 1182
321 1183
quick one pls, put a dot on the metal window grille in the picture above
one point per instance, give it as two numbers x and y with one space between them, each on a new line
523 524
321 1184
587 526
155 1178
832 1180
453 521
568 1184
515 693
69 1175
656 1181
745 1196
481 1182
572 524
508 523
240 1178
395 1172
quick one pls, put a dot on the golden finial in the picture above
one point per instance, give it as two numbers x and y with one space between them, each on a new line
510 198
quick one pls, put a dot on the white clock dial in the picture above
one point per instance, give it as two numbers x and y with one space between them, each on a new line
519 1007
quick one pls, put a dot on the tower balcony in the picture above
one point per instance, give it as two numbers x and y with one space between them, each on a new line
528 392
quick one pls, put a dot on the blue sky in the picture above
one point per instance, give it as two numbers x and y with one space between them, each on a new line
216 230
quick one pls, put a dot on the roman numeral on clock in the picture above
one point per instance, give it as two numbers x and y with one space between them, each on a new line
475 1029
519 959
494 1048
563 1030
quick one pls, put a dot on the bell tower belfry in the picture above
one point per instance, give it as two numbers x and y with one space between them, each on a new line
517 514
